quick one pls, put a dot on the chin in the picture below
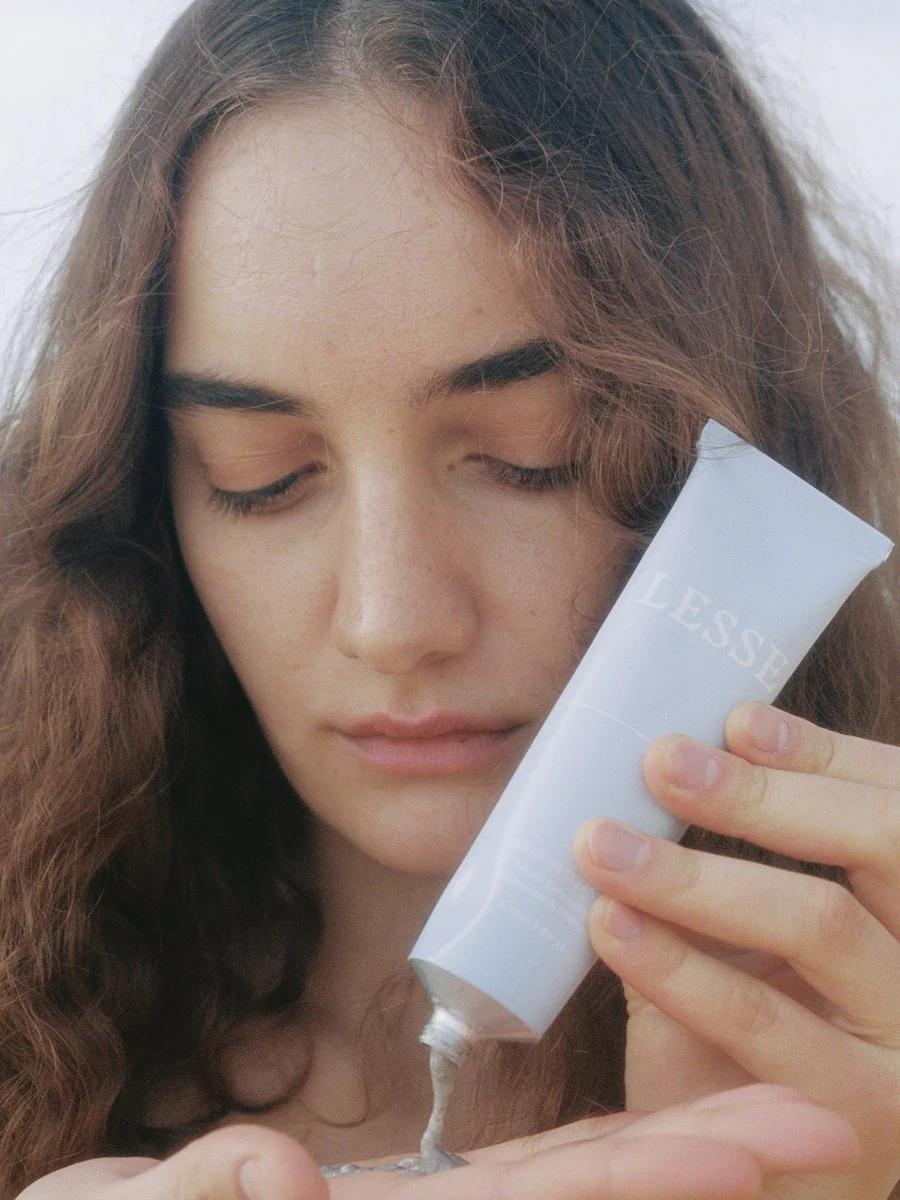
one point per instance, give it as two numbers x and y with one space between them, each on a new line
428 841
434 854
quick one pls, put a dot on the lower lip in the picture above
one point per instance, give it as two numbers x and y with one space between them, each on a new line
444 755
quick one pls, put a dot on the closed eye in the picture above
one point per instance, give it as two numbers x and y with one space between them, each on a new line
533 479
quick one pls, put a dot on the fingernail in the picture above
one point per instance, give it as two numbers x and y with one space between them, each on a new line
251 1180
621 921
690 766
769 730
616 847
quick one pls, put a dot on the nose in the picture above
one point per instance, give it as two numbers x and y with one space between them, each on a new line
405 594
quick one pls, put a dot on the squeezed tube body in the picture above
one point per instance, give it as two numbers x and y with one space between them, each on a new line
747 569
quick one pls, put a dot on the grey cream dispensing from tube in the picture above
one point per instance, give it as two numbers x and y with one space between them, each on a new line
432 1157
747 569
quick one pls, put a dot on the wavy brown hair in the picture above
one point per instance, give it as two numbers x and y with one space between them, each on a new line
156 895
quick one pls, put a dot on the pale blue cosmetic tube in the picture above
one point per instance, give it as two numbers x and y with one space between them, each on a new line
748 568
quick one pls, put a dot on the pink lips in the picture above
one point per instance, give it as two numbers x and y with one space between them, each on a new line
442 754
436 723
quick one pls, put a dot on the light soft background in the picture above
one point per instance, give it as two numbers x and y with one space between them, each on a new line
827 68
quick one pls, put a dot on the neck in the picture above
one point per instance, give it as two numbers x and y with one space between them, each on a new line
373 916
372 1009
368 1003
368 1007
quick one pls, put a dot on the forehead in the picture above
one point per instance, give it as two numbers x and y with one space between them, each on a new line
314 223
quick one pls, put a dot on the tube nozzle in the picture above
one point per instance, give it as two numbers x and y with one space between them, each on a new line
448 1034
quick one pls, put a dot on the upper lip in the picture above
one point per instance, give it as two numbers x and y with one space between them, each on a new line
437 723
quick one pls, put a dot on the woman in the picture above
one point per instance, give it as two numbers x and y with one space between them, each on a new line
379 355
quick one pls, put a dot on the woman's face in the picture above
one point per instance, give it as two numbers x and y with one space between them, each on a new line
320 256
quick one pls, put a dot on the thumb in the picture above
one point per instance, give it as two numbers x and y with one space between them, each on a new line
238 1162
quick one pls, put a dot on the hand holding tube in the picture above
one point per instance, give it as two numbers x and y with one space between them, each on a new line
746 570
744 971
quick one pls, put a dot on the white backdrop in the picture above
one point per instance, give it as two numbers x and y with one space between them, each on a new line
828 69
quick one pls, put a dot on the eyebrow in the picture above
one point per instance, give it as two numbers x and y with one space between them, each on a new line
188 391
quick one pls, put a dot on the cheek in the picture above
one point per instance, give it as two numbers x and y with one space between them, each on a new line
562 583
235 596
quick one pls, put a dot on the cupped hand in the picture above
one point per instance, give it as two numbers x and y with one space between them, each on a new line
743 972
723 1147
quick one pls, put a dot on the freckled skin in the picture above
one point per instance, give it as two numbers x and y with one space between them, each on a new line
319 252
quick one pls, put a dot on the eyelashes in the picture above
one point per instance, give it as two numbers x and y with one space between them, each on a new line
529 479
241 503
